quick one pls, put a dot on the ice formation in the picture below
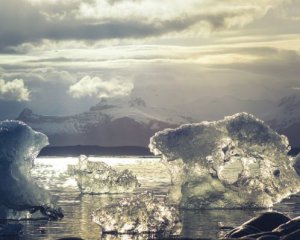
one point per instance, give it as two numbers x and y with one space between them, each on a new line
98 177
238 162
19 195
140 214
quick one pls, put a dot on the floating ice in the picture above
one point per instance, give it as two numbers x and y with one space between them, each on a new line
20 196
98 178
140 214
238 162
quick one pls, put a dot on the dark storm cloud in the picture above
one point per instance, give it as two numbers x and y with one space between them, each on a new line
15 17
21 22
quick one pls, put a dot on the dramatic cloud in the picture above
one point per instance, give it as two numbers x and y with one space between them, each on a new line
24 22
171 49
13 90
40 76
97 87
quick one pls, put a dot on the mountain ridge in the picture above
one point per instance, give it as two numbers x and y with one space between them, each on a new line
131 122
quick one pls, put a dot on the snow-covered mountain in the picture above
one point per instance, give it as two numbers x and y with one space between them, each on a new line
132 121
113 123
287 112
286 118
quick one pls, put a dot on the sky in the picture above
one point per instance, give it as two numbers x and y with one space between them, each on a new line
60 57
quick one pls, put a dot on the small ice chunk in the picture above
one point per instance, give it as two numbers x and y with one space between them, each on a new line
238 162
98 177
139 214
19 146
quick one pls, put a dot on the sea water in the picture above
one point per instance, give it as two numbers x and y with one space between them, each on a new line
51 173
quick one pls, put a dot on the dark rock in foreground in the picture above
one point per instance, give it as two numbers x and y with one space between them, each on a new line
70 238
270 225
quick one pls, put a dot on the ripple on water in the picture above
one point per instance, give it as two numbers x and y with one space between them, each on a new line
152 174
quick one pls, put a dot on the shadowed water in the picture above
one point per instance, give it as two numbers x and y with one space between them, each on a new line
152 174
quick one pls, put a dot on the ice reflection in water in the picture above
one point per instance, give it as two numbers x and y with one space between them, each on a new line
51 172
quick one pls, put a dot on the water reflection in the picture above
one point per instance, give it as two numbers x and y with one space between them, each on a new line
51 172
209 223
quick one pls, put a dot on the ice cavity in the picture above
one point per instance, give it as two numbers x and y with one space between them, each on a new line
238 162
20 196
137 215
98 177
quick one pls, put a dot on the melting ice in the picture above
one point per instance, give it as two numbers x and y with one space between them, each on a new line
139 214
238 162
98 177
20 196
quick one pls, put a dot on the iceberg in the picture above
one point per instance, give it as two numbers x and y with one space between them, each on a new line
237 162
98 178
20 196
140 214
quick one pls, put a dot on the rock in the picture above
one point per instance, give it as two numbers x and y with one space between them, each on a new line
51 213
264 223
268 237
268 226
238 162
70 238
137 215
98 178
292 236
289 227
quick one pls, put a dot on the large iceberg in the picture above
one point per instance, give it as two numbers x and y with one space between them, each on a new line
98 177
238 162
20 196
137 215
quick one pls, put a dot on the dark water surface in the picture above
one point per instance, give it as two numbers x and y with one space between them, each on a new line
51 173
